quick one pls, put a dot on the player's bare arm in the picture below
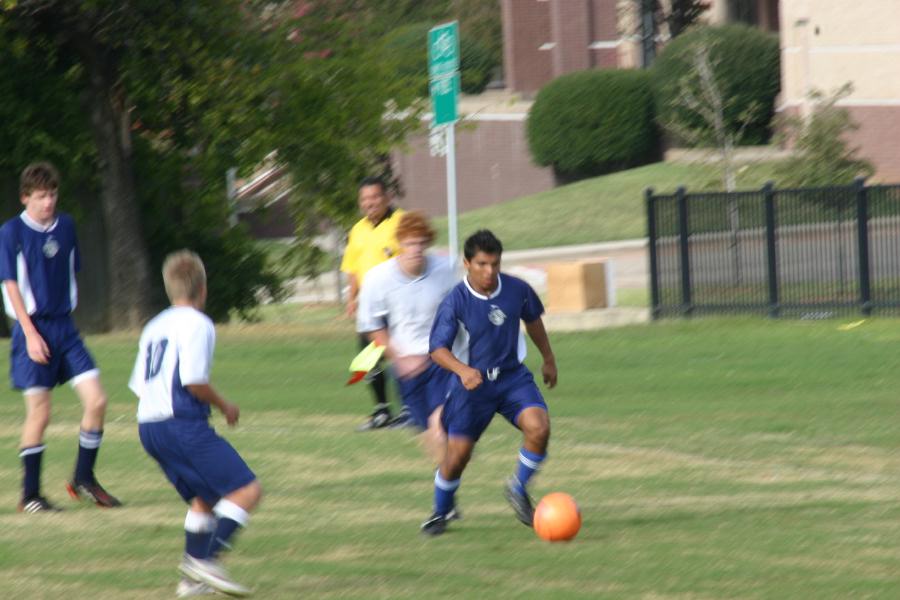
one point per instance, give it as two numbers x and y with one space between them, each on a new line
470 378
381 338
538 335
207 394
353 295
38 351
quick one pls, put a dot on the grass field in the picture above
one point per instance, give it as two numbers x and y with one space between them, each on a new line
610 207
711 458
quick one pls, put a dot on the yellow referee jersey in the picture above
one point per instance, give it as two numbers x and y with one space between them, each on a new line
369 245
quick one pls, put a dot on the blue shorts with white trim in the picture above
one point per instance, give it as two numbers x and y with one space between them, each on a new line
468 413
68 355
195 459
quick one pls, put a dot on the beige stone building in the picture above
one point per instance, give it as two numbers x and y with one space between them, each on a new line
827 43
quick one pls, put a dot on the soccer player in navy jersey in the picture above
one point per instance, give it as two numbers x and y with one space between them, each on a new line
489 307
38 261
171 377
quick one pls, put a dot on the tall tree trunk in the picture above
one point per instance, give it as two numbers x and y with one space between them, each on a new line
130 287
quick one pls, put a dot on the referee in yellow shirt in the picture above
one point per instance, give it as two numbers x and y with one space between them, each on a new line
371 241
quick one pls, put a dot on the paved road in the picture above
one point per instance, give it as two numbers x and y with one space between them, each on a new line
628 259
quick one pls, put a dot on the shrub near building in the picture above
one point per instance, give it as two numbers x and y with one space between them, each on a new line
593 122
746 68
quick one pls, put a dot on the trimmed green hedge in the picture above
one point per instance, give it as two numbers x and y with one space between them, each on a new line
593 122
746 63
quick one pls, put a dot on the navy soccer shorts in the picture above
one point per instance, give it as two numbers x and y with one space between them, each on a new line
425 392
468 413
68 355
195 459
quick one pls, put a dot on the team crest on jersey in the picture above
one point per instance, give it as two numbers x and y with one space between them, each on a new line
496 316
51 247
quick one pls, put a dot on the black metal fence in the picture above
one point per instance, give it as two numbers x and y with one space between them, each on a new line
809 253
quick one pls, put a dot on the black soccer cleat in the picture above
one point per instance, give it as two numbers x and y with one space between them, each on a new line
403 419
435 525
520 502
92 491
37 504
380 418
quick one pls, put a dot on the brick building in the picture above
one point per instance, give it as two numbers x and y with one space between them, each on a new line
543 39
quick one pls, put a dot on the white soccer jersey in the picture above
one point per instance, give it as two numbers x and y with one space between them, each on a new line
406 305
176 350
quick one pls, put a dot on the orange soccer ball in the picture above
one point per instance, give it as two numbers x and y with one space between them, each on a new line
557 517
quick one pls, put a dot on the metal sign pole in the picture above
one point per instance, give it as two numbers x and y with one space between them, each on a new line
451 193
444 84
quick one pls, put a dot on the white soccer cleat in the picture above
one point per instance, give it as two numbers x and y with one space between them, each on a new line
188 588
213 574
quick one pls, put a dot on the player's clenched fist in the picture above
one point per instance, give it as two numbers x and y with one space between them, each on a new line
471 378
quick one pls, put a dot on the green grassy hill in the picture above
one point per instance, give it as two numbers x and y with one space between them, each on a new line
610 207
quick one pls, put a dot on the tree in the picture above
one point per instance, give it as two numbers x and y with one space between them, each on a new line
480 22
745 65
680 15
201 86
78 41
653 21
700 96
823 156
702 119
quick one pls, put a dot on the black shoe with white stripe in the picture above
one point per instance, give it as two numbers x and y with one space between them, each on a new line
37 504
403 419
435 525
380 418
520 501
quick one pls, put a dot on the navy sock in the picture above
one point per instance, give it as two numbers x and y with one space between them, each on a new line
225 530
231 517
443 493
529 463
88 446
198 532
31 463
197 544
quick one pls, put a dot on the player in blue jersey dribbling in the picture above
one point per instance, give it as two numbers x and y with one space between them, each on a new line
489 307
38 261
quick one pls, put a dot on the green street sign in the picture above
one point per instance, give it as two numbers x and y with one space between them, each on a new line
443 50
443 99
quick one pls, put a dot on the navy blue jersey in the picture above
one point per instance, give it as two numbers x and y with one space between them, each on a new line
43 261
492 323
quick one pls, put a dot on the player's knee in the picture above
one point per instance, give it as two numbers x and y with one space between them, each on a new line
253 492
455 463
537 431
99 404
95 405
